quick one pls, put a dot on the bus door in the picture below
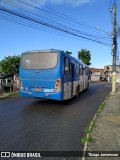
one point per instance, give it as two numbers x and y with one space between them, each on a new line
72 78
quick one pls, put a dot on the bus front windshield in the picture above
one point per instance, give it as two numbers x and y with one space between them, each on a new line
39 60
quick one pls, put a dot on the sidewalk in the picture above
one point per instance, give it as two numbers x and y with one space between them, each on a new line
107 128
8 95
4 95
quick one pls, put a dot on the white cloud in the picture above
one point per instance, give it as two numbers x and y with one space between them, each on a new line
38 3
69 2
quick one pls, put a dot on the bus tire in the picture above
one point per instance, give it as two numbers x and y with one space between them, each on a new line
88 85
77 91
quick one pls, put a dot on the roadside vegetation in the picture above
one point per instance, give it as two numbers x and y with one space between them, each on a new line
10 95
101 108
88 137
88 130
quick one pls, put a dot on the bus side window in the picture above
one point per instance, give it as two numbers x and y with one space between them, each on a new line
89 74
66 66
70 68
81 69
86 70
77 69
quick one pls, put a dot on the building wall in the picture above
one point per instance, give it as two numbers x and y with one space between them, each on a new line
95 78
96 74
9 84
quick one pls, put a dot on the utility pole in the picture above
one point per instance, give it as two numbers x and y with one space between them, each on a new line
114 53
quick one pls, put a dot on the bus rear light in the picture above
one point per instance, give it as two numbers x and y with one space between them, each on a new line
58 85
20 80
20 84
58 81
21 88
57 90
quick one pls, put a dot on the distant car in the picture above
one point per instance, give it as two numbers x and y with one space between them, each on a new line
101 78
105 79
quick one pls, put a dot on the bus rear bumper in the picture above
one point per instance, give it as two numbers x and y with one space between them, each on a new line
26 94
39 95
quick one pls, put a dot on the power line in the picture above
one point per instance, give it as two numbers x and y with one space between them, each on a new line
56 22
67 30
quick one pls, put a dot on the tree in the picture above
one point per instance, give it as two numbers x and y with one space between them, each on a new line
68 52
85 56
10 64
0 68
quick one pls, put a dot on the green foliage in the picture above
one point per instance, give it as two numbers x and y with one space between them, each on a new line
101 108
89 139
10 95
88 128
68 52
88 131
85 56
0 68
10 64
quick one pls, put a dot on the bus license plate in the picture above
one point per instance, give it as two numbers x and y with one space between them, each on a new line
38 89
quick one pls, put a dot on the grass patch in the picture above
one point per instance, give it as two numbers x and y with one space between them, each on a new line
89 139
88 130
91 125
101 108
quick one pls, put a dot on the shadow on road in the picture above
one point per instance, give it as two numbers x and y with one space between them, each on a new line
63 104
41 104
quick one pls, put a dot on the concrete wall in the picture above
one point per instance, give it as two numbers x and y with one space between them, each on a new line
95 78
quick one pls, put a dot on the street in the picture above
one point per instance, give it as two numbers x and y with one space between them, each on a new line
37 125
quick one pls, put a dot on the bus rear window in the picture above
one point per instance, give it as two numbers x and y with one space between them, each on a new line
39 60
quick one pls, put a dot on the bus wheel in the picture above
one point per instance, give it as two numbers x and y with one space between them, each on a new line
77 92
87 86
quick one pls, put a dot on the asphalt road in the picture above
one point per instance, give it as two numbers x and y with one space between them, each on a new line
35 125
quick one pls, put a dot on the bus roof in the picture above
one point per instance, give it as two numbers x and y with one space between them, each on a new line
45 50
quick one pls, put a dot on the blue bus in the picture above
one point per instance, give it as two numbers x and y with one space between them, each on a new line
52 74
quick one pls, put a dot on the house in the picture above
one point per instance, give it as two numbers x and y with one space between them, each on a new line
9 83
99 74
96 74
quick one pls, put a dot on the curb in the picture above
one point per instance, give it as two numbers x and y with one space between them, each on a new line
87 136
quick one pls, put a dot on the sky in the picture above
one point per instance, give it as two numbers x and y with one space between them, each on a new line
16 38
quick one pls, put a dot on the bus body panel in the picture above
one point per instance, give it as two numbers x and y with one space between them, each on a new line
41 83
40 95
